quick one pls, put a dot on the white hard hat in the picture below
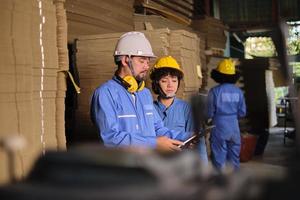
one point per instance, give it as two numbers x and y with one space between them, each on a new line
134 44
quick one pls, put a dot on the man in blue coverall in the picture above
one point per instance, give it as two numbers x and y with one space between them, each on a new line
122 109
175 113
225 105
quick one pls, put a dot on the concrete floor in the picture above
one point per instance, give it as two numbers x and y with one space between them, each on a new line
275 160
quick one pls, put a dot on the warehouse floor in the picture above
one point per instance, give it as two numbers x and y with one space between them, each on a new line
275 160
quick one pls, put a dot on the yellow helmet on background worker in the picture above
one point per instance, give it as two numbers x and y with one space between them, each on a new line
226 66
225 72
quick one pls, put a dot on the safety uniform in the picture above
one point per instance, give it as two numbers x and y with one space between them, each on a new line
125 118
225 105
178 118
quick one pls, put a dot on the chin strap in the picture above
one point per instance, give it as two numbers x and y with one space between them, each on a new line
163 95
130 66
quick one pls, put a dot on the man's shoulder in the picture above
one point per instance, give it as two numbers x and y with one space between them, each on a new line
146 92
109 86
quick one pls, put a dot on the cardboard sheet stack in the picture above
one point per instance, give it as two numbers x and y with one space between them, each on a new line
63 65
98 17
157 22
185 47
28 74
214 31
203 59
96 65
177 10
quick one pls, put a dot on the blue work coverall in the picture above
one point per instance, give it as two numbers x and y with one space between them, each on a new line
123 121
225 105
178 117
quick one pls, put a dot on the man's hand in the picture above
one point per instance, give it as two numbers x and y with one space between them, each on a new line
165 144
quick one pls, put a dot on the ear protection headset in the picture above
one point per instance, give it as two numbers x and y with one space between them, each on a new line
130 84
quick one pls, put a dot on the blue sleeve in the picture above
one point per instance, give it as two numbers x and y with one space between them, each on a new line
242 106
104 115
210 105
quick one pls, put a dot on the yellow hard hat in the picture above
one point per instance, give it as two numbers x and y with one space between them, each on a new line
167 61
226 66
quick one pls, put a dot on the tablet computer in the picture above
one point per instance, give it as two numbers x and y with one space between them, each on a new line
195 137
188 141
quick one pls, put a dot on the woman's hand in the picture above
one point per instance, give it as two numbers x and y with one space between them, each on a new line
165 144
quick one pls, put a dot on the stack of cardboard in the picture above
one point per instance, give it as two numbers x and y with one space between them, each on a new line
45 67
185 47
98 17
176 10
214 31
203 59
157 22
63 65
96 65
28 74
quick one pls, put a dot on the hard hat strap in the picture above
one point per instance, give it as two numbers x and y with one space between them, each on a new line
131 66
162 94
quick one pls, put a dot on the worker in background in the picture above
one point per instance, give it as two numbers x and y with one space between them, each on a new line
175 113
122 109
225 105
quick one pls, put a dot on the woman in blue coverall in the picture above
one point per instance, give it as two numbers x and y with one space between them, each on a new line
175 113
226 105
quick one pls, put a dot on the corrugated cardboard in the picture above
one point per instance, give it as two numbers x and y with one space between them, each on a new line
27 108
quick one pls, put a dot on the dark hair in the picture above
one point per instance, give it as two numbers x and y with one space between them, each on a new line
157 74
224 78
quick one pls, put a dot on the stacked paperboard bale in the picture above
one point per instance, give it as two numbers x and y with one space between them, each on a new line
96 65
185 47
98 17
157 22
203 60
176 10
214 31
63 65
28 74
